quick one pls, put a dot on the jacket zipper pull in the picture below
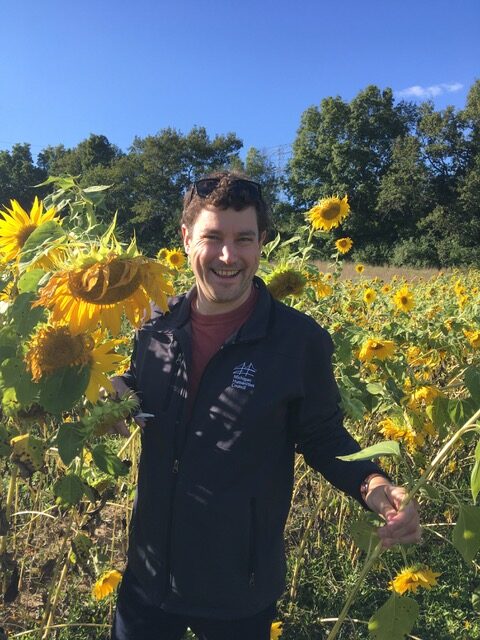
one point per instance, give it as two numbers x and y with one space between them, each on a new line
175 466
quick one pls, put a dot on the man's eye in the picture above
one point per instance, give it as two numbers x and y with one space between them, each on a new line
246 239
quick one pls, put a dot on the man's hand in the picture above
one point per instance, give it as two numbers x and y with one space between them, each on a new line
121 389
401 527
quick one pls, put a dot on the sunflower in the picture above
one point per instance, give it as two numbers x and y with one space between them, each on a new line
54 347
411 578
403 299
394 431
473 338
276 630
162 254
106 584
386 288
18 225
175 259
285 282
359 268
323 290
344 245
376 348
104 287
369 295
425 394
328 213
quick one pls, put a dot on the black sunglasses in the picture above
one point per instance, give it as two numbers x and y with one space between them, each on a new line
240 187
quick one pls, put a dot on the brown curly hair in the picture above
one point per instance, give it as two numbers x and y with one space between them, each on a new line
226 195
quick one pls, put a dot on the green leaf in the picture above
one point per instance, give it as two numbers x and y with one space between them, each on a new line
69 490
5 447
108 462
375 389
353 407
71 438
364 535
8 343
14 375
41 240
476 599
475 477
395 619
384 448
466 533
472 382
60 390
23 316
29 281
438 414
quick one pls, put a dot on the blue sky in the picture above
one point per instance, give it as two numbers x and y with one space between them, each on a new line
123 68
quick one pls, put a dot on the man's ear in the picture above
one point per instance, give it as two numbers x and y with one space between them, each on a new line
186 238
261 241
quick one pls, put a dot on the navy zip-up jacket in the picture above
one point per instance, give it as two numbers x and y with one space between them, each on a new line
213 495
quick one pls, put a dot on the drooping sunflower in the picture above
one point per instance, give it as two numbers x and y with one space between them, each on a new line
391 429
376 348
403 299
411 578
106 584
101 288
175 259
369 295
423 395
328 213
344 244
285 281
162 254
473 338
54 347
17 226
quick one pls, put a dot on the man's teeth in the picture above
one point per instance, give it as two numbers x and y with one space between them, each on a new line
225 273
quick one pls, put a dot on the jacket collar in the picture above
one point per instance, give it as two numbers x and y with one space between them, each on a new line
256 326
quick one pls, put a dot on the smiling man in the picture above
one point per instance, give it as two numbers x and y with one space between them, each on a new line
236 383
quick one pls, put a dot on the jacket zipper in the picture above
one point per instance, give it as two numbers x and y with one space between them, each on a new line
252 559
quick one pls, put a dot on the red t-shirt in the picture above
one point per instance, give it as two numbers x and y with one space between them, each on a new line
209 332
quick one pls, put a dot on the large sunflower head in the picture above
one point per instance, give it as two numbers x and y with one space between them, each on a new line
17 226
329 213
102 287
403 299
54 347
376 348
285 282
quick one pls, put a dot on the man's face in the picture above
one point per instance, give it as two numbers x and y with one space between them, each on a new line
224 249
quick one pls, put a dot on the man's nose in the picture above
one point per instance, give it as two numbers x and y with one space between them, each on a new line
228 254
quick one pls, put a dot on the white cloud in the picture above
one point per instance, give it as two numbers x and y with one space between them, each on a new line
429 92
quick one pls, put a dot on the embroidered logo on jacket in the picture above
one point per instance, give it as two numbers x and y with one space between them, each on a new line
244 376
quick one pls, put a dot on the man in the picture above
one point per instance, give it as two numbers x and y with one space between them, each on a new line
235 382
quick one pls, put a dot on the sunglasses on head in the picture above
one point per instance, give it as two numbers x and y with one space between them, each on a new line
240 187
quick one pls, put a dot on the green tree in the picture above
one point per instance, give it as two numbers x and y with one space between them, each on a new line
19 175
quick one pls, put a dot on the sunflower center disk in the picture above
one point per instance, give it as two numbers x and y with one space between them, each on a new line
332 212
106 283
56 348
24 233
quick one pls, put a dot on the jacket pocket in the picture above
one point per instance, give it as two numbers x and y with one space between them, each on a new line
252 553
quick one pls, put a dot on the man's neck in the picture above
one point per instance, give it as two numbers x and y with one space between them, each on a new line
207 307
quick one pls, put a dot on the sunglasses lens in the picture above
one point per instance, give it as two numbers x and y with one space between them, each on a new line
242 188
205 187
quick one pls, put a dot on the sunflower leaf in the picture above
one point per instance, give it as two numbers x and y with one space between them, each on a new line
107 461
364 535
13 374
395 619
466 533
24 317
472 382
30 280
69 490
41 240
70 440
60 390
385 448
475 477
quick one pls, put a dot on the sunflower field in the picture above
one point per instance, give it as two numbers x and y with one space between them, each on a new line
407 362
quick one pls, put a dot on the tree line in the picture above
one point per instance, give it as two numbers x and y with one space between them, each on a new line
411 172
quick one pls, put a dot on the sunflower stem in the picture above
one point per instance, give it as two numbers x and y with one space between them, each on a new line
429 473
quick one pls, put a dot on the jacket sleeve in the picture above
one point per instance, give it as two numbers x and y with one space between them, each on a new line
318 421
130 375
